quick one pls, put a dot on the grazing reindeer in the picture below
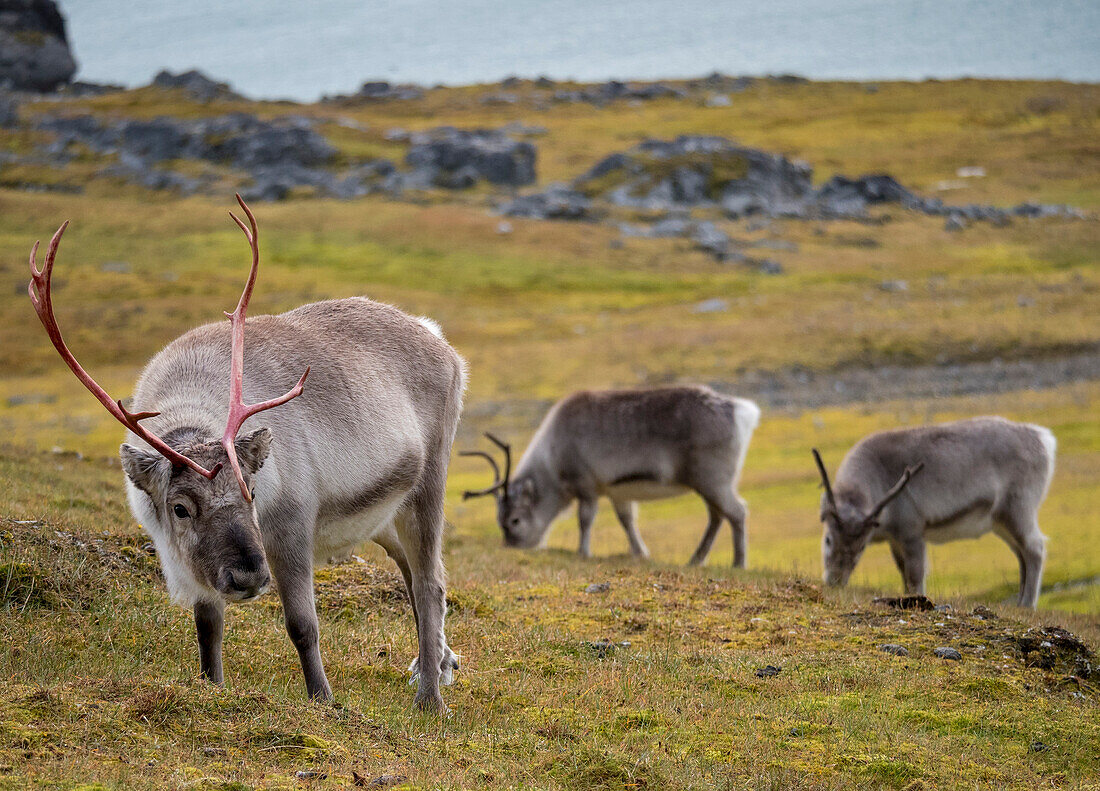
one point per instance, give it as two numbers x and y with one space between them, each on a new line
362 455
629 445
966 478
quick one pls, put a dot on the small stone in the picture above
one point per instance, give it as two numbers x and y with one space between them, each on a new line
119 267
768 671
983 612
714 305
1038 747
605 648
895 649
943 608
504 227
947 653
970 172
954 222
894 285
598 587
310 774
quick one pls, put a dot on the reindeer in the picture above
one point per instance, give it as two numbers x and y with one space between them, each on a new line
362 455
627 445
966 478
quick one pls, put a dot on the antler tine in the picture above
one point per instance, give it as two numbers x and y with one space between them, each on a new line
903 481
825 480
497 482
239 412
41 296
504 446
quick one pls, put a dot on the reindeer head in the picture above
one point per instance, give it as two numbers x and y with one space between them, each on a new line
850 523
517 500
204 524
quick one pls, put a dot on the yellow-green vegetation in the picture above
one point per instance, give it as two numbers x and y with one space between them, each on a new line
99 670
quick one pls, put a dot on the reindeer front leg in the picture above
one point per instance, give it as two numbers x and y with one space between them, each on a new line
586 515
292 564
210 625
911 557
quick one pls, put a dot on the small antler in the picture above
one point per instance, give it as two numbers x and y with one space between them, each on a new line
903 481
239 412
499 484
42 299
825 481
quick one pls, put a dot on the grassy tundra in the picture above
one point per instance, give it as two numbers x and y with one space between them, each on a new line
100 672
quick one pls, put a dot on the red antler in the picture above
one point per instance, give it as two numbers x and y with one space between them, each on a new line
239 412
41 297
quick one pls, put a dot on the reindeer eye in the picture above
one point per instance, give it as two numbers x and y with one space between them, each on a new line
180 511
253 493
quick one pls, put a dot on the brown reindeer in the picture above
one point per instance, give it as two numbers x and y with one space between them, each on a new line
361 455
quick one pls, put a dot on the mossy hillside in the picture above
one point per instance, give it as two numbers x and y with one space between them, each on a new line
107 691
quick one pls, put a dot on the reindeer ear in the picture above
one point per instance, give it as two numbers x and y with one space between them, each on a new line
252 450
147 471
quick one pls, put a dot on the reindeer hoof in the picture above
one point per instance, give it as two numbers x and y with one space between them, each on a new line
431 704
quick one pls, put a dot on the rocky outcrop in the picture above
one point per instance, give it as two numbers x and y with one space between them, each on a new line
459 158
34 49
614 90
279 155
196 85
696 170
556 202
378 91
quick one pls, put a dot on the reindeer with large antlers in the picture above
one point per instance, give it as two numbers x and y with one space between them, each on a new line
939 483
362 455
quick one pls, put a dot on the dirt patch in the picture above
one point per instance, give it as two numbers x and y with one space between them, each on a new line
802 388
922 603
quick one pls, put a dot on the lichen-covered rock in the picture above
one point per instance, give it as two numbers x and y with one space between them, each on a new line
195 84
556 202
459 158
34 48
700 170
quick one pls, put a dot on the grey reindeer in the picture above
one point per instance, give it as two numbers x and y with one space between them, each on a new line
627 445
937 484
362 455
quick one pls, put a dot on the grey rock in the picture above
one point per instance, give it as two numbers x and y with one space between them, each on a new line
718 100
458 158
894 285
694 170
708 238
9 113
955 222
598 587
34 47
895 649
380 90
196 85
712 305
768 671
556 202
947 653
119 267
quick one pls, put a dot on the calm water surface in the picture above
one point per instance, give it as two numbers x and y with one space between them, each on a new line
301 50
